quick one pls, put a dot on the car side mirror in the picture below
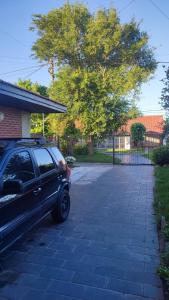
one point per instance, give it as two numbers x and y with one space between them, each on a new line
12 187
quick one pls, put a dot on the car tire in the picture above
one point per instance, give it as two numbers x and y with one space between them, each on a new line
61 211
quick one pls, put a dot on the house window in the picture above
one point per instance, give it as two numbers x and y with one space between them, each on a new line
152 140
119 142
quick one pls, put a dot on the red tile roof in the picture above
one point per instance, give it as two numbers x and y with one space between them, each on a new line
152 123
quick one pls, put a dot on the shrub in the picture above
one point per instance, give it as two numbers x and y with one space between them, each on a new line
81 150
137 132
160 156
163 272
70 160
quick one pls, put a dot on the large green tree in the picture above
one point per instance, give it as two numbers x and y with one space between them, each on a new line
95 62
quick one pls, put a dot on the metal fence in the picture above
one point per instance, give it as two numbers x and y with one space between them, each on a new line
128 152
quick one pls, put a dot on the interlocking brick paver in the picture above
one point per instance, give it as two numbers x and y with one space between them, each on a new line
107 249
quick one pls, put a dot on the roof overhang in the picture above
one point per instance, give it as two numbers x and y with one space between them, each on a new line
13 96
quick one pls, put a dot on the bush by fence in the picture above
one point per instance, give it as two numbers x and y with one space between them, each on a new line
81 150
160 156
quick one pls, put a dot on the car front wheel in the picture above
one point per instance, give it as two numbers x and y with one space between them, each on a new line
61 211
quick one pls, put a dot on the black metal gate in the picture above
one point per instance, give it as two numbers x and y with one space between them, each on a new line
127 152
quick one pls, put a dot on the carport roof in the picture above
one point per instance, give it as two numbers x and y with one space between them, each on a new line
19 98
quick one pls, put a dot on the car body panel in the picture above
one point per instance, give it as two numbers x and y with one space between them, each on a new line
20 212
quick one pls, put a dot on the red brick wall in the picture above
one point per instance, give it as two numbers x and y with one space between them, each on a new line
11 126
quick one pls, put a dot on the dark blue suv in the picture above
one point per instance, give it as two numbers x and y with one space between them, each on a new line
34 181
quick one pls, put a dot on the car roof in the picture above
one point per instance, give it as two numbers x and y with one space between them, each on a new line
22 143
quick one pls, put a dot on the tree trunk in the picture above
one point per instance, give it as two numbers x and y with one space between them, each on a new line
90 145
51 69
70 147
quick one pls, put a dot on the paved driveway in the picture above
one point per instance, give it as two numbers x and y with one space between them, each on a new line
107 250
133 158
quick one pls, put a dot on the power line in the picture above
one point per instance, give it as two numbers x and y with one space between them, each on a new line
126 6
37 67
32 67
14 38
159 9
162 62
28 75
153 110
14 58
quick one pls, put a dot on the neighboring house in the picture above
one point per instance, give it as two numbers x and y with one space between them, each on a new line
16 106
122 139
153 136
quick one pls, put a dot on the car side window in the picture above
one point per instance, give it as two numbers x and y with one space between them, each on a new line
44 160
58 154
19 167
59 158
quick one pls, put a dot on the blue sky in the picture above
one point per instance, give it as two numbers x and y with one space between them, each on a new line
16 39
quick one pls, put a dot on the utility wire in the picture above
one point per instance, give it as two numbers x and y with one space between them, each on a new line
42 65
14 58
30 74
159 9
14 38
126 6
32 67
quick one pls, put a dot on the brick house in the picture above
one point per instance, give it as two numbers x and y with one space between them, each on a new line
16 106
153 136
123 141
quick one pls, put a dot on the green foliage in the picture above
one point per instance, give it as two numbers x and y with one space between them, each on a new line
99 61
166 235
160 155
33 87
134 111
165 91
71 132
61 34
81 150
36 119
161 205
70 136
73 36
166 131
161 192
163 272
138 132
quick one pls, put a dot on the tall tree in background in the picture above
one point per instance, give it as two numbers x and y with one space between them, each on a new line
36 119
138 131
165 92
98 60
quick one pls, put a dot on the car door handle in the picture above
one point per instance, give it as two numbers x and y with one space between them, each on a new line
36 192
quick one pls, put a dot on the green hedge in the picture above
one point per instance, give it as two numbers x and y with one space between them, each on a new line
160 156
80 150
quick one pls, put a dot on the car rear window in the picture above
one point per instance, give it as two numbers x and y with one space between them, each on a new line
58 155
44 160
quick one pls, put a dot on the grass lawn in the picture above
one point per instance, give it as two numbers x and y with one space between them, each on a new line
161 205
147 155
96 158
110 150
162 192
